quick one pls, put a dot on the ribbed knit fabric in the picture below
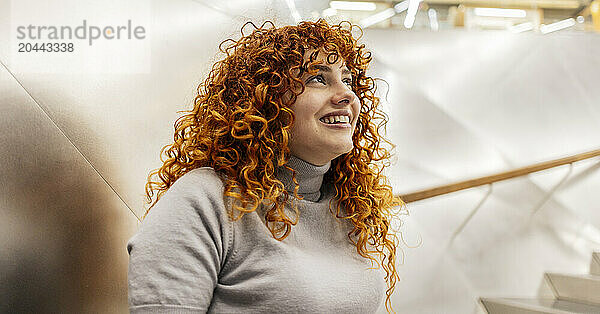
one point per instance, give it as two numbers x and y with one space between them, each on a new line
308 176
189 257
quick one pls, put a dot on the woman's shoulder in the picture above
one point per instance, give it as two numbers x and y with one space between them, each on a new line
203 176
192 195
199 182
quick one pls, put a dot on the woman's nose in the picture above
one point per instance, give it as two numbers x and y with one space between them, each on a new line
343 94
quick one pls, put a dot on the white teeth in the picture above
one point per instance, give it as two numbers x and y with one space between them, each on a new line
333 119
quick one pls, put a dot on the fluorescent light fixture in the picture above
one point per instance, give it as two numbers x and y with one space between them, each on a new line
353 6
545 29
523 27
433 21
495 12
377 17
329 12
292 6
402 6
413 7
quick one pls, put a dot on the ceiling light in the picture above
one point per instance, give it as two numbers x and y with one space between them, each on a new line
377 17
402 6
523 27
545 29
495 12
433 21
413 7
354 6
292 6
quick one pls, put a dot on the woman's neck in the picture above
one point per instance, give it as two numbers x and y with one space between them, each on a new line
308 176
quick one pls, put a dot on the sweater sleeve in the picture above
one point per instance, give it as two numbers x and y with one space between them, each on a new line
182 244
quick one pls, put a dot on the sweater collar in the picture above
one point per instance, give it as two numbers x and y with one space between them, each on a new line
309 177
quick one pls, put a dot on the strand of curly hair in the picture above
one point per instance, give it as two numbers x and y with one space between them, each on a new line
240 126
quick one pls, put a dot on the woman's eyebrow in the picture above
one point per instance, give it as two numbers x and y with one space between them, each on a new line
326 68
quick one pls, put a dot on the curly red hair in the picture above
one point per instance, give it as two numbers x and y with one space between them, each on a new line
240 126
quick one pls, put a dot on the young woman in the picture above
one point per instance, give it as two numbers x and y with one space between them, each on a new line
269 199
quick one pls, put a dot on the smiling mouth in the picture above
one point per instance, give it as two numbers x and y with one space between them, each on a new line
337 125
335 119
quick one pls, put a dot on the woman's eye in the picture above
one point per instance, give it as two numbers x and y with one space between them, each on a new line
318 78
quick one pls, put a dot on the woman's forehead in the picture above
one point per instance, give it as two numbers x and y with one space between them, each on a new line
320 55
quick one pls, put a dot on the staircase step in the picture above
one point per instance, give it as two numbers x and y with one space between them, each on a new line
577 288
595 265
535 306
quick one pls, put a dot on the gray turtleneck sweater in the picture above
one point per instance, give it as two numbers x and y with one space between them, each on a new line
189 257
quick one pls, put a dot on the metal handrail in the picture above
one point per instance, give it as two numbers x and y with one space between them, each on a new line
467 184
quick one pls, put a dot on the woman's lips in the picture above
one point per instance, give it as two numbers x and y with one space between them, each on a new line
337 125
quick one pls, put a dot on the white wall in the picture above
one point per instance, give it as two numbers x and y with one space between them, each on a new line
464 105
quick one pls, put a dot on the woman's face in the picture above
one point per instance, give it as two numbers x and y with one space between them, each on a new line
326 113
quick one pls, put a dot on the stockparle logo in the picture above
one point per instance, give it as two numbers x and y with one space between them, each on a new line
90 33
